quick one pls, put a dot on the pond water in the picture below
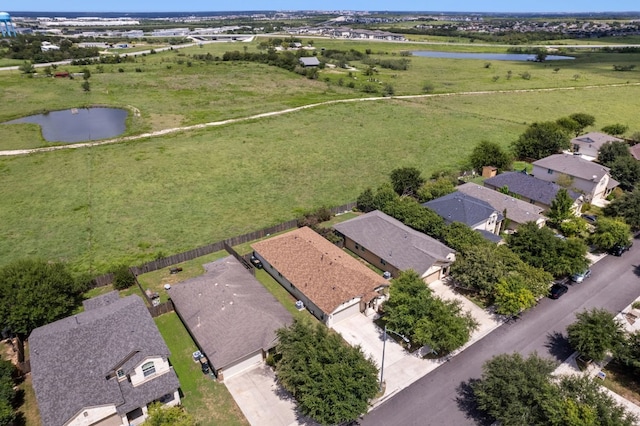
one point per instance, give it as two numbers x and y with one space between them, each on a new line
487 56
78 125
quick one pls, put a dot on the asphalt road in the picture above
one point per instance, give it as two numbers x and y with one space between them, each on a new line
438 398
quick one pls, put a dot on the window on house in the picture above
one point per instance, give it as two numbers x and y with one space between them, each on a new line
357 246
148 369
362 248
120 374
383 262
549 171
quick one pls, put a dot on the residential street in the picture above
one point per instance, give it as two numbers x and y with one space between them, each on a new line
433 400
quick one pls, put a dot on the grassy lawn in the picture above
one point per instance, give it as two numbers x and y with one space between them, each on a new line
139 200
621 381
207 400
283 296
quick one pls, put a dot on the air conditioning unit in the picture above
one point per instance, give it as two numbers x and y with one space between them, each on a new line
386 275
299 305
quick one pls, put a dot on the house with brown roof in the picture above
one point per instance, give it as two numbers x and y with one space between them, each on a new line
392 246
590 144
332 284
231 316
592 179
516 212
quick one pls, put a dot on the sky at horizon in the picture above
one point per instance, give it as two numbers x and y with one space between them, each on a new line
551 6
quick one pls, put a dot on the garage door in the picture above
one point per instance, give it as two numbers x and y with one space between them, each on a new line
242 365
432 277
346 313
114 420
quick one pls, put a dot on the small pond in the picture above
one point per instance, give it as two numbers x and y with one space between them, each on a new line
487 56
79 124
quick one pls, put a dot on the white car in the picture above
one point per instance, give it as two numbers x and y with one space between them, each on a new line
578 278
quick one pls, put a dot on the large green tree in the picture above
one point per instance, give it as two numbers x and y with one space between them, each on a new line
541 140
610 151
627 207
626 170
34 293
615 129
331 381
413 310
490 154
560 207
160 415
609 233
406 181
595 333
512 295
583 120
518 391
435 189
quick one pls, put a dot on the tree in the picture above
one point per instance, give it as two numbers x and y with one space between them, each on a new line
629 353
161 415
86 73
414 311
512 295
411 213
516 391
86 86
560 207
123 278
611 151
27 68
489 154
461 237
541 140
331 381
627 207
435 189
595 333
406 181
34 293
7 392
366 201
584 121
569 124
615 129
513 390
609 233
626 170
540 247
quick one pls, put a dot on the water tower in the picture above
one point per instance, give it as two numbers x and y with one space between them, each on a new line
6 26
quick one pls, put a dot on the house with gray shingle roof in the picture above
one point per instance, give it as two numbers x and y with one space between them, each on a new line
590 143
516 211
309 61
332 284
392 246
463 208
230 315
102 366
591 179
531 189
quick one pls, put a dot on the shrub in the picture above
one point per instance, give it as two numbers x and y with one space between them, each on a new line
123 278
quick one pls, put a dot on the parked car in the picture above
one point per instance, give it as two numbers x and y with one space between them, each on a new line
256 262
579 277
618 249
592 219
557 290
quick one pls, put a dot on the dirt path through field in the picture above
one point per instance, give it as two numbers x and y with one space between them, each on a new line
14 152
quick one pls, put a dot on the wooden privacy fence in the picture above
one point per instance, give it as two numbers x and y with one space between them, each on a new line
165 262
161 309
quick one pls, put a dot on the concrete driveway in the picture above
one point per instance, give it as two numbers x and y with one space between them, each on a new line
262 401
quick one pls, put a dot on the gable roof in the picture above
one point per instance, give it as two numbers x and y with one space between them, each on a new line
71 358
595 139
309 61
635 151
517 210
399 245
529 187
463 208
573 165
228 312
327 275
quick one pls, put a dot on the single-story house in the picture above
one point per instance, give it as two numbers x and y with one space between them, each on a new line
475 213
516 211
332 284
231 316
309 61
392 246
635 151
591 179
590 144
103 366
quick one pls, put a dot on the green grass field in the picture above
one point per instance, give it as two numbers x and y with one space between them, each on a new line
207 400
135 201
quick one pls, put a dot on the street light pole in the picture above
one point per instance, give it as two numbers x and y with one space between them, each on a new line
384 346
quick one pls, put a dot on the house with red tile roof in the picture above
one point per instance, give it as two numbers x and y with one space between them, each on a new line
332 284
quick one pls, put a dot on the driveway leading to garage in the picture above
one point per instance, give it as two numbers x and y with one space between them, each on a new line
262 401
402 368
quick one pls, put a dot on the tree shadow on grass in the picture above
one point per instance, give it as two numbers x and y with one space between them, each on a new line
467 404
558 346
